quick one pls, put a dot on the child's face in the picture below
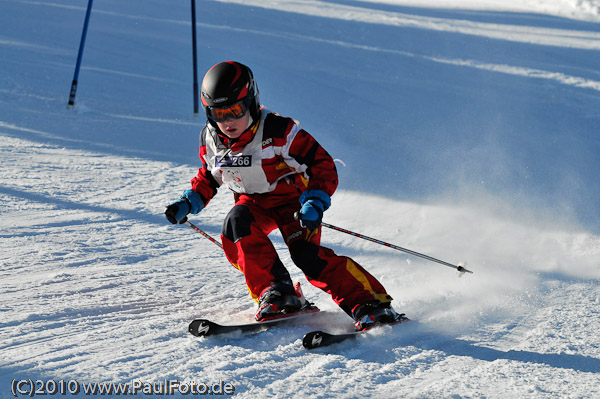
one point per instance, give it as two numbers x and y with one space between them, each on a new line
233 128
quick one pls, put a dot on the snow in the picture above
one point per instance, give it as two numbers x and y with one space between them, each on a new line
587 10
463 130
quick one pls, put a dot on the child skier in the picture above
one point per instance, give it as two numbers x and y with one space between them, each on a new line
276 170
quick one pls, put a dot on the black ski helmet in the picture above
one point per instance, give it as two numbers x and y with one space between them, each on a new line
227 83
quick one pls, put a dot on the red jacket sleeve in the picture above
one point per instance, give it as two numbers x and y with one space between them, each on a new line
204 183
320 166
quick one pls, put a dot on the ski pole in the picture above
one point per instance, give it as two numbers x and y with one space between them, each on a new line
73 91
194 58
460 268
199 230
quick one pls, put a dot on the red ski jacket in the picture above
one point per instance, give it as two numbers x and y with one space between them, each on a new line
274 159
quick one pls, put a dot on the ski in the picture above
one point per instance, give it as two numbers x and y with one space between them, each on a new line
317 339
205 327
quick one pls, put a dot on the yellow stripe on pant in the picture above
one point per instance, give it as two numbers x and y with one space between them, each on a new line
362 278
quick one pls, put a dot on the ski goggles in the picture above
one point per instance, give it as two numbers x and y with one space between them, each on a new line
233 111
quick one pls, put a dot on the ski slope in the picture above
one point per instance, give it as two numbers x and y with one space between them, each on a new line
464 130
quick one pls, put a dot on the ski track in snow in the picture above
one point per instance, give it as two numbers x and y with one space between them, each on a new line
588 10
525 34
96 286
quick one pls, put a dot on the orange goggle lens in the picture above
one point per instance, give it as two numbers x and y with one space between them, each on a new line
234 111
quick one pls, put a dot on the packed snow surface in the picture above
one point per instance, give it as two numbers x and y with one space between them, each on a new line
465 130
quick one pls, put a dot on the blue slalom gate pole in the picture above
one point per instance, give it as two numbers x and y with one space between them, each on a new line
194 55
78 64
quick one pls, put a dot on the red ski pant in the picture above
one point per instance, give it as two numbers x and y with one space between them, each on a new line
249 249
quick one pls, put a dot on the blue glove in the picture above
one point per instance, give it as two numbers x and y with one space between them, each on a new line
314 203
190 202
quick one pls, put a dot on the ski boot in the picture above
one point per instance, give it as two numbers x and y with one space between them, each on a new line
273 304
375 313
